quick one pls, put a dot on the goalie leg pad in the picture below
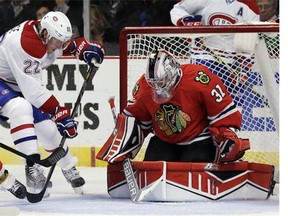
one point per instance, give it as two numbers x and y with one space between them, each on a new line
125 140
185 181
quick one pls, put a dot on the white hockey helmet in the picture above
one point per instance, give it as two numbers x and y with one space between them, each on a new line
57 25
163 73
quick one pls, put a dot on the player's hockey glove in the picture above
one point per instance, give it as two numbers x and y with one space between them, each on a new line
190 21
86 51
229 146
65 124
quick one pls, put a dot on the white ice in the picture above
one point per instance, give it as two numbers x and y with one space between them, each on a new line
96 201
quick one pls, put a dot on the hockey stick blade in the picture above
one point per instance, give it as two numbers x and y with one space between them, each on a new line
57 154
47 162
147 190
34 198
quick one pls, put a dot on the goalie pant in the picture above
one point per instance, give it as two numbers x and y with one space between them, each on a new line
181 181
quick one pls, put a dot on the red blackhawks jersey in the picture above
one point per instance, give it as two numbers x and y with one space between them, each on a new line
200 100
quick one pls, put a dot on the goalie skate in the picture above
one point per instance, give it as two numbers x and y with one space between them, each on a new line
72 177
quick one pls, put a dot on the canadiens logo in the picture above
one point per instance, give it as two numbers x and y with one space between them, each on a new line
202 78
55 18
221 19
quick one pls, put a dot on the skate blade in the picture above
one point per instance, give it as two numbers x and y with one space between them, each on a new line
78 190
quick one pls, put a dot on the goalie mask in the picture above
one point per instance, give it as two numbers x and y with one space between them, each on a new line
58 27
162 75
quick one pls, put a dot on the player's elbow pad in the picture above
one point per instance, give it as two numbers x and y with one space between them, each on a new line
125 141
190 21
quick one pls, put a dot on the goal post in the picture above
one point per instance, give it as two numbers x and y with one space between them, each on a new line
251 77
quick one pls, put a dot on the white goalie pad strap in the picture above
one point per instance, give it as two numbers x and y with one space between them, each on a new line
125 141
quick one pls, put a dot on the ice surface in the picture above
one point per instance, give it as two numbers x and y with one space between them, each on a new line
96 201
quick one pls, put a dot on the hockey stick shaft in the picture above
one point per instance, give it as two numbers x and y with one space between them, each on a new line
47 162
127 166
34 198
136 193
220 60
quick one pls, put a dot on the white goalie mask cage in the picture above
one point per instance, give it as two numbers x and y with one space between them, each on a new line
162 75
57 25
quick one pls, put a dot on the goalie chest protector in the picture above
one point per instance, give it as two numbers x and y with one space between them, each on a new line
181 181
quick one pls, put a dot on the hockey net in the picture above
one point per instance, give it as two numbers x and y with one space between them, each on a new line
251 77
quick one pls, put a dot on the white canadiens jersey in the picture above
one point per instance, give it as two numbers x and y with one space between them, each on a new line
216 12
22 58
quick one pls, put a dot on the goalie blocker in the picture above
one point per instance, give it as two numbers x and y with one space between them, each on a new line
182 181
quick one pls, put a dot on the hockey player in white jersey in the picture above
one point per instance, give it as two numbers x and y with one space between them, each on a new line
213 12
206 50
35 114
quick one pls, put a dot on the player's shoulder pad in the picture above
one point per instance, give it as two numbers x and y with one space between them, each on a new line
30 41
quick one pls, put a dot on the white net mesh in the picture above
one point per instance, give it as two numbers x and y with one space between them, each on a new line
241 72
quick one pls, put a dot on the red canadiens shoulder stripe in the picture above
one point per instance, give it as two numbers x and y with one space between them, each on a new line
30 42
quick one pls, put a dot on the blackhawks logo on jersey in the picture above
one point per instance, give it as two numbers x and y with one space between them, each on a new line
171 119
202 78
135 89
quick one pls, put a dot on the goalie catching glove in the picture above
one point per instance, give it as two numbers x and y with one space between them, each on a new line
125 141
65 124
229 146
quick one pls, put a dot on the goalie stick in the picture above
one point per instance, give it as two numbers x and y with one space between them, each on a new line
136 193
57 154
34 198
220 60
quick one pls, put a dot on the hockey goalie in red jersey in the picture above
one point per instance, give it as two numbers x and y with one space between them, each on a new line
194 123
189 110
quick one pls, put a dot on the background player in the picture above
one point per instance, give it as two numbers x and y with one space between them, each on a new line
189 111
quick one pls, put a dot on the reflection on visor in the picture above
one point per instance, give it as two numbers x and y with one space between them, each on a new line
161 96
